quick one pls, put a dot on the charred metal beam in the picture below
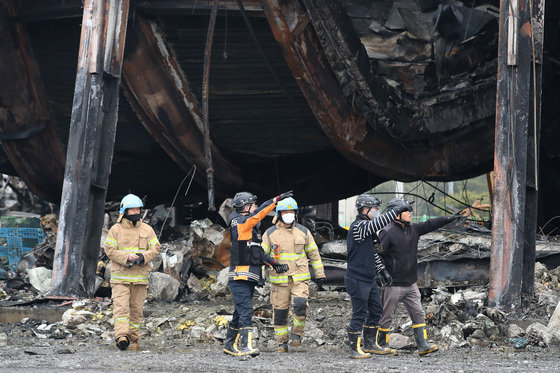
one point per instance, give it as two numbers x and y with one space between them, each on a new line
536 12
205 104
160 95
513 232
27 127
90 146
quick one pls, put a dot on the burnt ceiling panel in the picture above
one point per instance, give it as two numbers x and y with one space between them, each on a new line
250 113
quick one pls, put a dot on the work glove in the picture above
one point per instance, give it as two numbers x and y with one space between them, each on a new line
406 207
455 218
283 196
320 282
280 268
138 261
384 278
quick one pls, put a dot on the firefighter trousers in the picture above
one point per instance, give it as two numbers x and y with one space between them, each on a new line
128 303
293 293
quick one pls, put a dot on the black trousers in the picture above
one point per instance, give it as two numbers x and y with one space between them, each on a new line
242 292
366 303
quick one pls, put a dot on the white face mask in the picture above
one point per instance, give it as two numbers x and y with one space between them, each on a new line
288 217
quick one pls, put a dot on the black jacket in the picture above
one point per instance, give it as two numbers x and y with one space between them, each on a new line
246 253
362 261
400 245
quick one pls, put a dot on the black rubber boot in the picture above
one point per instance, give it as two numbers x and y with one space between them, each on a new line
230 347
383 337
122 343
282 347
295 340
370 343
246 342
421 337
356 352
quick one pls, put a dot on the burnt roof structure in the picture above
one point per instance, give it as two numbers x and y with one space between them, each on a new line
328 98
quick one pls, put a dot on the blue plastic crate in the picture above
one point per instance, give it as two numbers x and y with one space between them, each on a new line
12 241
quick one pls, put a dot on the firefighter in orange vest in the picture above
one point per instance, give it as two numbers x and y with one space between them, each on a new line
292 244
131 245
245 271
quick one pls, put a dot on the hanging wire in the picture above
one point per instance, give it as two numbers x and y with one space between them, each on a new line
193 170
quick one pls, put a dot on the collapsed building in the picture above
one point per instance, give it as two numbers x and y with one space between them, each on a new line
328 98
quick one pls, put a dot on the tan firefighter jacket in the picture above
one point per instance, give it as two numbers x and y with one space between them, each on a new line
125 239
296 248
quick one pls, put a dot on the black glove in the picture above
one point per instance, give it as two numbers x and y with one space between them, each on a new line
406 207
455 218
280 268
138 261
384 278
320 282
283 196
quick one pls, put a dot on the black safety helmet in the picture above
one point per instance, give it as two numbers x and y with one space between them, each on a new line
367 200
397 202
243 198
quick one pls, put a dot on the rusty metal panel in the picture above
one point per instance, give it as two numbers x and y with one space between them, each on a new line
27 127
327 59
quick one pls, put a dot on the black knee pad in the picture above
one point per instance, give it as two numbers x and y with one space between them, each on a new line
300 306
280 316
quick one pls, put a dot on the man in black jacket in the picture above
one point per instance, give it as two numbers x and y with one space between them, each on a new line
362 265
400 245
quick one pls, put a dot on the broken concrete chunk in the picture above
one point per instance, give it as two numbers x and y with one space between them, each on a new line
540 270
194 284
554 322
162 287
515 331
221 285
197 331
40 278
334 249
490 328
72 318
452 334
206 229
538 334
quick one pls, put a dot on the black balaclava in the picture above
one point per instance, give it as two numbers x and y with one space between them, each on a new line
134 218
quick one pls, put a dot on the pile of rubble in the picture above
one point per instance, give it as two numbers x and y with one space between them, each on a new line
189 302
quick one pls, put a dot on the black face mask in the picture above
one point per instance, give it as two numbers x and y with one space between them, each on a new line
134 218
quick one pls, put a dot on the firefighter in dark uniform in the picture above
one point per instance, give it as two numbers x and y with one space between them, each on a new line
360 278
245 272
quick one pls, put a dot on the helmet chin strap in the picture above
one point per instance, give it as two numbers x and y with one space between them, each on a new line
365 214
407 223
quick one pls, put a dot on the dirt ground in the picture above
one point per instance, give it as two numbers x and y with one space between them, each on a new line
166 349
105 358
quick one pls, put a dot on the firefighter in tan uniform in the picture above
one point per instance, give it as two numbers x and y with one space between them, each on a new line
131 245
292 244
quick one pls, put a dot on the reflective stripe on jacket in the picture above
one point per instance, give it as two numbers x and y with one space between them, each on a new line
125 239
297 249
